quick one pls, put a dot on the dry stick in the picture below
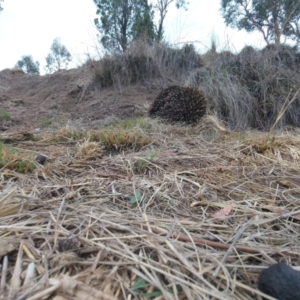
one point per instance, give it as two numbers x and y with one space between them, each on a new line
228 252
45 292
4 273
16 280
201 241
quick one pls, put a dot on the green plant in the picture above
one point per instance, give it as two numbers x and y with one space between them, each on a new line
24 166
4 115
27 64
46 122
58 58
118 139
136 198
72 133
140 122
141 287
142 163
273 19
120 22
11 159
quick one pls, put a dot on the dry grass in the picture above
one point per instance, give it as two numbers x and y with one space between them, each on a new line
12 159
251 89
207 214
157 64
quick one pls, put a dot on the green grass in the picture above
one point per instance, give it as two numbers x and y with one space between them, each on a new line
118 139
140 122
46 122
11 159
142 287
4 115
141 164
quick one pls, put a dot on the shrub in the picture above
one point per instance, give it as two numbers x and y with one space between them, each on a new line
143 62
250 89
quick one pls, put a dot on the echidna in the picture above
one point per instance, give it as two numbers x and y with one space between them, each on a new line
179 104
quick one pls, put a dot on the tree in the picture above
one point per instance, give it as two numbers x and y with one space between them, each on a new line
122 21
27 64
0 5
143 26
161 7
273 18
58 58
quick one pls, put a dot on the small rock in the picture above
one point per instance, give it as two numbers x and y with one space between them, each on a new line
41 159
280 281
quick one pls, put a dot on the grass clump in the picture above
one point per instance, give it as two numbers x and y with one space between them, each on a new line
11 159
140 122
46 122
144 63
71 133
117 139
142 163
146 290
89 150
4 115
249 90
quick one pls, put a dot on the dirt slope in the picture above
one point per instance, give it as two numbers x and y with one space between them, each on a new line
29 102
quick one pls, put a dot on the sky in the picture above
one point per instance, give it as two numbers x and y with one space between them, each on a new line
28 27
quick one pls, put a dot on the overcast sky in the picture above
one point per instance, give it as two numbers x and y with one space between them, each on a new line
28 27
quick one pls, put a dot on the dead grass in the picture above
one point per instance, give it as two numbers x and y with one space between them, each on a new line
204 217
253 88
125 135
157 64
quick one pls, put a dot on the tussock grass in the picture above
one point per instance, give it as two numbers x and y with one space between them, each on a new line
4 115
99 228
125 135
119 140
144 63
14 160
87 149
251 89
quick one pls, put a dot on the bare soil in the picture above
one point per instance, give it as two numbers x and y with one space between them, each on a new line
35 102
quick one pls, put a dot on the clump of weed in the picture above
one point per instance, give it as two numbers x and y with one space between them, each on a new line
145 290
140 122
4 115
142 163
144 63
71 133
89 150
252 88
46 122
11 159
16 71
117 139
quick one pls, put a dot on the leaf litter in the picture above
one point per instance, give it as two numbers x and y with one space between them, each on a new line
198 221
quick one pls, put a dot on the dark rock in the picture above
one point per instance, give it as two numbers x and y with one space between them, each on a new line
280 281
41 159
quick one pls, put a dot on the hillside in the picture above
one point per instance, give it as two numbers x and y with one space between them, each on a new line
35 102
99 201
